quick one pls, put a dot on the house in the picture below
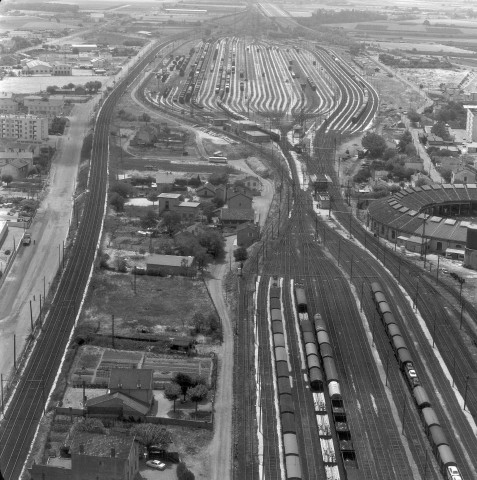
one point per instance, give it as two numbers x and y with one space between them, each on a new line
234 217
169 201
206 190
135 383
221 193
130 394
170 265
188 210
466 174
93 456
247 234
8 103
16 164
239 200
252 183
37 67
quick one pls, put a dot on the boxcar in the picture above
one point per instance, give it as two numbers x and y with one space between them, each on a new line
445 458
316 378
437 437
279 340
282 369
276 314
307 326
277 327
330 369
309 337
429 419
326 350
280 354
286 404
284 386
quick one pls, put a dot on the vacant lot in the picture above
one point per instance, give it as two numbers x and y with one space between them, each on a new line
158 304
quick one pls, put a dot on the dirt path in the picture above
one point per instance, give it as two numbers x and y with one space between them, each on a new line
220 447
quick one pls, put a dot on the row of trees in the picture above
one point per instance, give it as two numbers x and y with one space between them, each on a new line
190 387
89 87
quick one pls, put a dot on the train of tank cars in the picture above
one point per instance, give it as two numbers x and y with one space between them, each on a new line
435 433
324 385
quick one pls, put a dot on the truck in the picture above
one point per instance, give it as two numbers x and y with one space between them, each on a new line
26 238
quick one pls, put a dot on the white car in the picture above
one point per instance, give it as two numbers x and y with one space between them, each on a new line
156 464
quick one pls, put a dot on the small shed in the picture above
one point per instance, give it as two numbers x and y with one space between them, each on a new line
184 344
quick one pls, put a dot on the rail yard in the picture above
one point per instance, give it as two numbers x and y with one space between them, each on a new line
350 362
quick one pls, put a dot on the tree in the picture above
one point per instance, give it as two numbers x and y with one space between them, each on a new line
197 394
75 51
219 178
213 242
149 220
240 254
149 434
90 425
117 202
374 143
439 129
121 188
171 221
184 381
51 89
404 140
446 174
7 179
410 150
152 197
195 182
145 117
183 473
413 116
172 392
389 153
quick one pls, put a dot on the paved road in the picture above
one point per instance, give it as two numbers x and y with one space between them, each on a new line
36 265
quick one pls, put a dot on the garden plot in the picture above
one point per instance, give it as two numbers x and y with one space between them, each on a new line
166 366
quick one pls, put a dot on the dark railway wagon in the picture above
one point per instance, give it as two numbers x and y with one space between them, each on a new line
329 367
437 437
309 337
286 404
280 354
326 350
277 327
307 326
288 422
275 303
420 397
282 369
300 296
275 292
284 386
316 378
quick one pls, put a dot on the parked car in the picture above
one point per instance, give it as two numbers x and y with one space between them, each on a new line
156 464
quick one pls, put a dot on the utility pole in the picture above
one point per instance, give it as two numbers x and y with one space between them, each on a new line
112 330
31 317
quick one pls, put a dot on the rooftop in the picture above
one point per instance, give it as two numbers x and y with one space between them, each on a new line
131 378
189 204
237 214
96 445
170 195
169 260
132 403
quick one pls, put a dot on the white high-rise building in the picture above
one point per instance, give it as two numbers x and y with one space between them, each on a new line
27 128
471 125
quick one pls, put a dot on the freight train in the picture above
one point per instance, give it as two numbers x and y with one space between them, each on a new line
434 432
285 400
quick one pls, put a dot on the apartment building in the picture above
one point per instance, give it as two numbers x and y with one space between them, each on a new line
7 103
37 105
23 127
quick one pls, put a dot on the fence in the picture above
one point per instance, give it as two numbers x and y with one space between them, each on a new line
79 412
